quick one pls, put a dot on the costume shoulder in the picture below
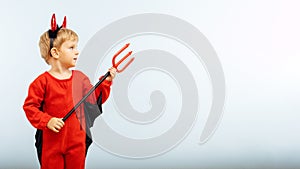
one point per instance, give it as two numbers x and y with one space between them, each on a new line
80 78
41 79
79 73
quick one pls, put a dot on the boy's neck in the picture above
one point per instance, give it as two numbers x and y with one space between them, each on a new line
60 72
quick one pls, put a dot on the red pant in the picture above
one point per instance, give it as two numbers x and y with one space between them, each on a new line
66 149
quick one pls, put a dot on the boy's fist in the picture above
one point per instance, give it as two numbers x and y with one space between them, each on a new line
55 124
112 72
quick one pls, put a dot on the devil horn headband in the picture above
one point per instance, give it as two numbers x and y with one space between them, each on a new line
55 28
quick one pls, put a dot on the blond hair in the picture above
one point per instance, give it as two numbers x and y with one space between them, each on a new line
62 36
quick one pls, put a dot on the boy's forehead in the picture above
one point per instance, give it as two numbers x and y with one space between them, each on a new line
71 41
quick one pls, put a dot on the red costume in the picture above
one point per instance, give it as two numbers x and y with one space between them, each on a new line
51 97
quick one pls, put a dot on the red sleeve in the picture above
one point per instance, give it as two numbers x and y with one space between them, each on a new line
104 88
33 105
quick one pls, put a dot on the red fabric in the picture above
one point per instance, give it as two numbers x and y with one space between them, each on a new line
50 97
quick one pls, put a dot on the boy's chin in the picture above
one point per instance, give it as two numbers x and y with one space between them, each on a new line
72 66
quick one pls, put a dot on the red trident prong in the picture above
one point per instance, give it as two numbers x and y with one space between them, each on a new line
53 23
64 25
115 65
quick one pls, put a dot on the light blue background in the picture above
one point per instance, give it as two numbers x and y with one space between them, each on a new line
257 43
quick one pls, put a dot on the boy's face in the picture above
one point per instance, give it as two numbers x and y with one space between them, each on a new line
68 53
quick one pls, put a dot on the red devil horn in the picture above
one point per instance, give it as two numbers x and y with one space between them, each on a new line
53 23
64 25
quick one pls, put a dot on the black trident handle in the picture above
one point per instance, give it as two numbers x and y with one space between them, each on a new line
86 96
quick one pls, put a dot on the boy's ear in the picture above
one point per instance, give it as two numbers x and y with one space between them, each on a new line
54 52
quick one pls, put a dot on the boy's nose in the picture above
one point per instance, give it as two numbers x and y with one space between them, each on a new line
77 52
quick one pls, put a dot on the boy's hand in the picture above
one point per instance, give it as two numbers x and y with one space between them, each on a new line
55 124
112 75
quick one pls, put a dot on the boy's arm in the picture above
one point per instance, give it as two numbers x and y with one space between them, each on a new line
104 88
33 105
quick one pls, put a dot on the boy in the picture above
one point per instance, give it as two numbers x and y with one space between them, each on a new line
53 93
